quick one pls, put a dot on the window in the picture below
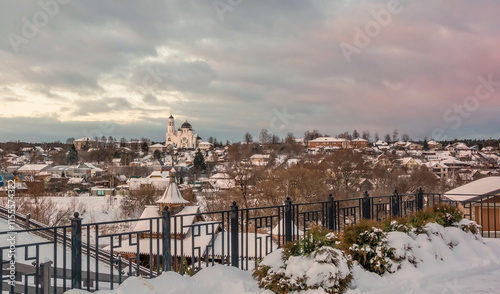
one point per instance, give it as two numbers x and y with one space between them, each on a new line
100 193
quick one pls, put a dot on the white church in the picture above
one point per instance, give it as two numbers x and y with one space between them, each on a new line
184 137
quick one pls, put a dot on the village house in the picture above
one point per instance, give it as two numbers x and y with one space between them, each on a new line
260 159
335 143
160 147
359 143
206 145
85 142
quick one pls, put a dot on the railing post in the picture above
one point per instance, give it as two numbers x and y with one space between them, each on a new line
76 252
27 224
45 277
234 236
395 201
366 208
288 220
331 213
166 241
420 199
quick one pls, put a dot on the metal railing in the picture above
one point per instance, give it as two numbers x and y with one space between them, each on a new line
102 255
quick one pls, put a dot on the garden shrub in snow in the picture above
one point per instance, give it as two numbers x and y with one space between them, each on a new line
307 264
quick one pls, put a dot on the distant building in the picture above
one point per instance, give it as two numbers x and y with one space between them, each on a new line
80 143
184 137
359 143
206 146
329 142
260 159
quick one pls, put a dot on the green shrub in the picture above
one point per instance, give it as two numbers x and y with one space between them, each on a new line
314 239
368 246
444 215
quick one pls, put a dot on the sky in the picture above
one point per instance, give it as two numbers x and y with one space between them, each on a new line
121 68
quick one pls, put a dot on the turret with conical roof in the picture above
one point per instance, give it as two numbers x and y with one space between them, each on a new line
172 197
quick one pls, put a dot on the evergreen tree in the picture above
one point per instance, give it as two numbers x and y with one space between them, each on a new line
86 147
199 161
72 157
425 145
157 154
144 146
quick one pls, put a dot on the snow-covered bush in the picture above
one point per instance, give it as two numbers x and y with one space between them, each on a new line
367 245
469 226
314 239
307 264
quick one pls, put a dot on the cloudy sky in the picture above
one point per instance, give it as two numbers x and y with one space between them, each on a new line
85 68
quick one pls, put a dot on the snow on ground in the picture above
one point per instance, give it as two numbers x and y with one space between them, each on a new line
449 261
96 208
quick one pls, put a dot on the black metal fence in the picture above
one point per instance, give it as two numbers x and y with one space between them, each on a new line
102 255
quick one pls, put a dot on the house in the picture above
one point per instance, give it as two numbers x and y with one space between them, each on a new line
382 145
410 162
85 142
439 169
206 146
480 201
434 145
222 181
260 159
102 191
359 143
160 147
32 169
157 180
336 143
94 171
5 177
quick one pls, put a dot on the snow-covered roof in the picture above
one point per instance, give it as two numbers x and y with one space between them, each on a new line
260 156
359 140
84 139
33 167
484 186
328 139
172 194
